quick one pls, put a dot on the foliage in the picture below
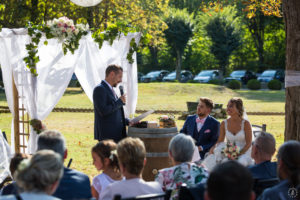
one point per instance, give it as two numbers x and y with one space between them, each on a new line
63 29
216 82
178 33
253 84
274 85
234 84
225 39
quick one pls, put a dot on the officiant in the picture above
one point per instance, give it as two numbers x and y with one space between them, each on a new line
202 127
110 122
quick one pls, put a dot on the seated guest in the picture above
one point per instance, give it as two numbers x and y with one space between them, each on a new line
181 150
132 159
263 149
288 167
12 188
202 127
38 177
105 159
229 181
74 184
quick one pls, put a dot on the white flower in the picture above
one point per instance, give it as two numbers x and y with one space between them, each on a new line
230 149
76 31
69 30
24 164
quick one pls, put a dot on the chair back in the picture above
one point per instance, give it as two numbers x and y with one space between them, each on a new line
257 129
192 193
161 196
261 184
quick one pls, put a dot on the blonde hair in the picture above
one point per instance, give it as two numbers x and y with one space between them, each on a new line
131 154
40 172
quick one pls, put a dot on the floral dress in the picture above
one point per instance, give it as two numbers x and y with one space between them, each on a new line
172 178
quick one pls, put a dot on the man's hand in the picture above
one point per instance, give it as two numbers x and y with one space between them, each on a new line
123 98
200 148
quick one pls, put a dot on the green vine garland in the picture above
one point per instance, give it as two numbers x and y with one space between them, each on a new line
72 43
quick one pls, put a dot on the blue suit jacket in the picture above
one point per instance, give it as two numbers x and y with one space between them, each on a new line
208 134
264 170
277 192
110 122
73 185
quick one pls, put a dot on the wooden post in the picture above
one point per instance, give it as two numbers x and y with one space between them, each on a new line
16 117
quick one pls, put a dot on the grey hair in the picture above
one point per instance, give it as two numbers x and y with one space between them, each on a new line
182 147
52 140
266 143
43 170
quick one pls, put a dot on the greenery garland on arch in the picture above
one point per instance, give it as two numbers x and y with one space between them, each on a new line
69 35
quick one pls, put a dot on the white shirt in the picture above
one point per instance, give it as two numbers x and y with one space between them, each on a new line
30 196
199 125
131 188
111 88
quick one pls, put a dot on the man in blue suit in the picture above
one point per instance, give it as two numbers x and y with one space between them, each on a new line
202 127
73 184
263 148
110 122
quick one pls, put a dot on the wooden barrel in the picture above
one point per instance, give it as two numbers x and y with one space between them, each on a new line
156 141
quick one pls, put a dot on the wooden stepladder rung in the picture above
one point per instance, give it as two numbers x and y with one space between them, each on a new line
21 117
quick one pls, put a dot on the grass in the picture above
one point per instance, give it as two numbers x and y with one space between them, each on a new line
78 127
173 96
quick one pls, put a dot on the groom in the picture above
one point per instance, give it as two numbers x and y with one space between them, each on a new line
202 127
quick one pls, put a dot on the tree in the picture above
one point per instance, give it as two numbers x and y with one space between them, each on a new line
292 103
178 33
224 40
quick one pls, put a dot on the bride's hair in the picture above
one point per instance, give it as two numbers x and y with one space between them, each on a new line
238 104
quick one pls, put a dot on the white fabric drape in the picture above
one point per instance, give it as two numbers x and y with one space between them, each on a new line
5 156
54 70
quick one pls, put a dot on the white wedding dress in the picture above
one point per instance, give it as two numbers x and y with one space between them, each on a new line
211 160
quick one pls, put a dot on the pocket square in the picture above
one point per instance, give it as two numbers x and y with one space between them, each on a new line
207 131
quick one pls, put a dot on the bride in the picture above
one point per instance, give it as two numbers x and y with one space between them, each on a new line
236 129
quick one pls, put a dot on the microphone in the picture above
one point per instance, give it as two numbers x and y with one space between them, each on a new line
121 90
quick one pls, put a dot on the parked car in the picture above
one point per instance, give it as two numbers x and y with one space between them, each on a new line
185 76
241 75
270 74
206 75
154 76
140 75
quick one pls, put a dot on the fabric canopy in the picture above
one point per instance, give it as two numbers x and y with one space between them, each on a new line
55 70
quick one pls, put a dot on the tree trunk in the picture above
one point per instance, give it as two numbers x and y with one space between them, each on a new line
90 17
34 11
178 65
154 57
292 104
256 27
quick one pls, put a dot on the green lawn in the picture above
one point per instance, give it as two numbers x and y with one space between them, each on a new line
173 96
78 127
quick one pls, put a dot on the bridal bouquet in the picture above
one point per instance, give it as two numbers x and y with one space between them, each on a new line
231 151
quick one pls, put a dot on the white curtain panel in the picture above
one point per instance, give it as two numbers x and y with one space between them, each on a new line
86 3
55 70
5 156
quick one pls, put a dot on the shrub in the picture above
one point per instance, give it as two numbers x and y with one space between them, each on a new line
216 82
192 81
274 85
253 84
234 84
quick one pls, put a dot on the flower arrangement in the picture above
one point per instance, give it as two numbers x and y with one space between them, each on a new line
167 121
37 125
63 29
231 151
